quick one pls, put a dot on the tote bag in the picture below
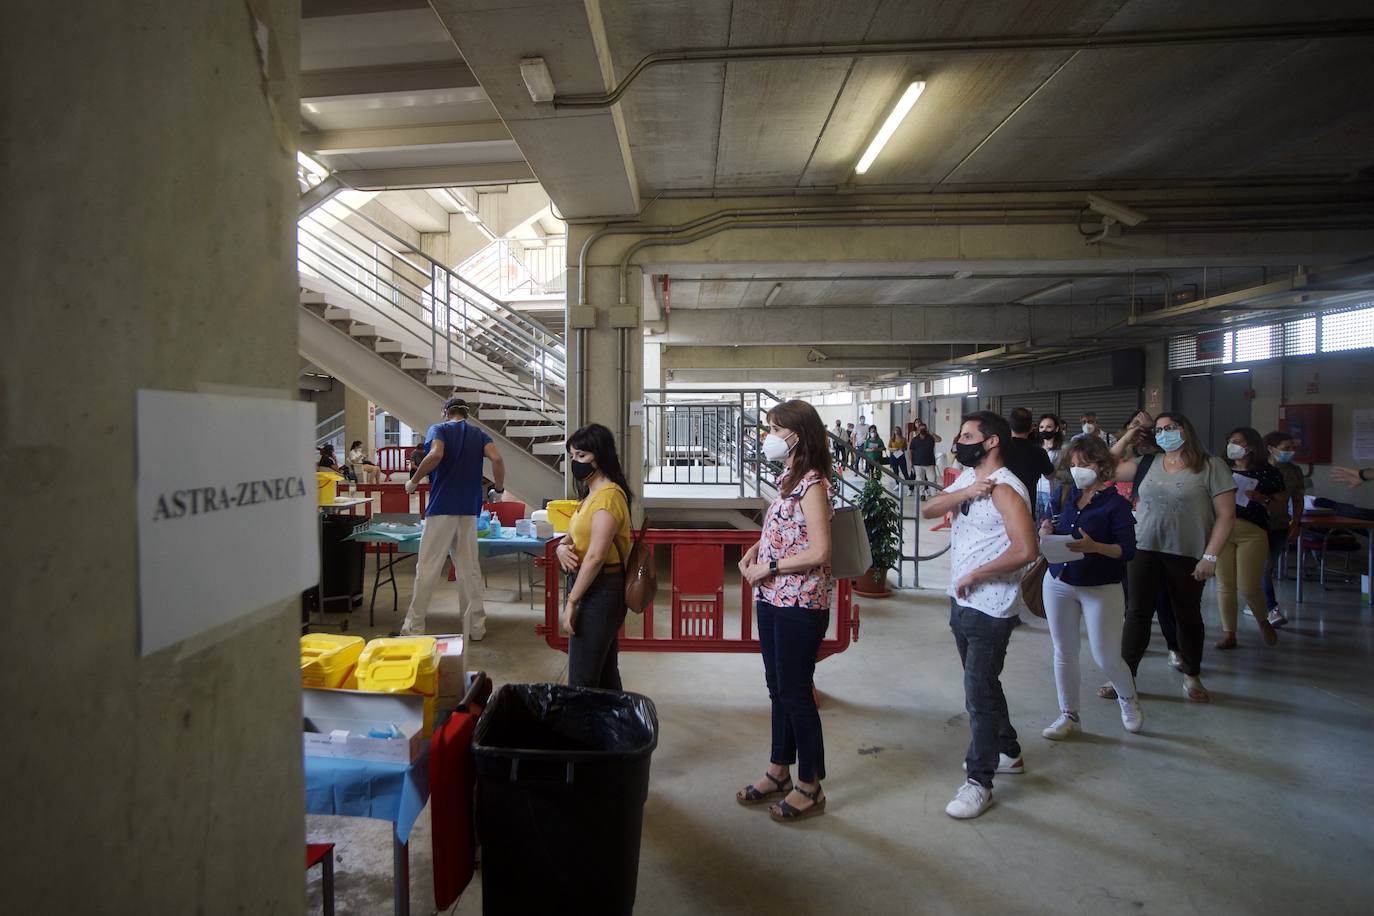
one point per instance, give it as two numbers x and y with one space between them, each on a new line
850 555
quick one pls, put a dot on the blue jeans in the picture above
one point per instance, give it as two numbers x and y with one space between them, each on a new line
982 642
1278 546
789 638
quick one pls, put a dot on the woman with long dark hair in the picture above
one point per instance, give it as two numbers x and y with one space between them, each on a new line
1185 508
1259 488
1050 432
593 555
790 569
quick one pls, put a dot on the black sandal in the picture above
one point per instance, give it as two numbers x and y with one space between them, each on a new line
750 795
783 812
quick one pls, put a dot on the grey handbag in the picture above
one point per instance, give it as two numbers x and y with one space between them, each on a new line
850 556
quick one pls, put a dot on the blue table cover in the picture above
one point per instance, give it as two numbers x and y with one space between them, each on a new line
366 788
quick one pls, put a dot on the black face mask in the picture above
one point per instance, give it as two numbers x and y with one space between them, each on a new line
581 470
970 455
1047 434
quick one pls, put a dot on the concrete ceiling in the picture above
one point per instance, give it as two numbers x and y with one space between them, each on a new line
387 101
1272 110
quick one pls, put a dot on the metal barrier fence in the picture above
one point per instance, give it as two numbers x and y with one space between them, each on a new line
697 613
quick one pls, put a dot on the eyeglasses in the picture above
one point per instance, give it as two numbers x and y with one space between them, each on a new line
1168 429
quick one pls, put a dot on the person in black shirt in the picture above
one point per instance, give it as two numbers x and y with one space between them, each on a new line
327 460
921 445
1240 565
1024 458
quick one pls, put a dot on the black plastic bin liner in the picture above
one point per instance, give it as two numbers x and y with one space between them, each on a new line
562 777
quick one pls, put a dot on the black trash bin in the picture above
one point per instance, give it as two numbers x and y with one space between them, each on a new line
562 777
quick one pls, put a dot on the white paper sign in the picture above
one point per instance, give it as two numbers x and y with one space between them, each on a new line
1055 548
1244 487
1362 435
227 511
636 413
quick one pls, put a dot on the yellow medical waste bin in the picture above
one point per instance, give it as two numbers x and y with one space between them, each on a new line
327 659
403 664
561 513
327 484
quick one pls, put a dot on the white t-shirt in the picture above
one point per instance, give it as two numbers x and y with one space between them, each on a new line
981 537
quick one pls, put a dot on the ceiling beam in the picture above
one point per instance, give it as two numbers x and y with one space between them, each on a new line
437 176
357 81
319 9
822 357
363 139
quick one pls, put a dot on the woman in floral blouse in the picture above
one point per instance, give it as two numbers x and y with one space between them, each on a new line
790 568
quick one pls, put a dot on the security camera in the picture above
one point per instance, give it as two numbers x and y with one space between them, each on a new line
1115 212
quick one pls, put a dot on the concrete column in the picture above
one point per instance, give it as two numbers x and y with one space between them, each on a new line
356 422
150 196
606 404
1156 395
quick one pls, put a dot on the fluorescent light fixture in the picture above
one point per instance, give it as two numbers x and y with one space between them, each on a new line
537 78
772 294
899 111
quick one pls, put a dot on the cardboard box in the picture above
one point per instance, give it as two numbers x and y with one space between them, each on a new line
452 669
336 724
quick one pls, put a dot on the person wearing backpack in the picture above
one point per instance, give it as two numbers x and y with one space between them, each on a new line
790 570
593 555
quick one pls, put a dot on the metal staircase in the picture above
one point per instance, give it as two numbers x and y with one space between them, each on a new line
396 325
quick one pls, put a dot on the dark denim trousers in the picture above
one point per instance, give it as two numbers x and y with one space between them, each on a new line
982 642
789 638
1152 574
1278 546
594 650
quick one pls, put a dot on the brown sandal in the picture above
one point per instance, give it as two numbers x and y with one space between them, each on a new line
782 812
750 794
1107 692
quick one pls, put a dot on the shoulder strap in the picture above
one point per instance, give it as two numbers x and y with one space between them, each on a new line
1142 467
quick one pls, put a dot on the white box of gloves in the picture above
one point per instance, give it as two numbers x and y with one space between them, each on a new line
360 724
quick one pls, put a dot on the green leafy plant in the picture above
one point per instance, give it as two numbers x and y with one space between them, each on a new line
882 520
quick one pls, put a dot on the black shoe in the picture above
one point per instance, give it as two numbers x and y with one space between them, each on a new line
1016 621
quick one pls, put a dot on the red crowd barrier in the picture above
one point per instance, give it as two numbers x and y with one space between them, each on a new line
697 615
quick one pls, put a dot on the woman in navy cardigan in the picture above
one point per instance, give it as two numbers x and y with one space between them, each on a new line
1100 520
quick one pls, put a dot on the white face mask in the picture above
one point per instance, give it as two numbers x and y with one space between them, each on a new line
1235 452
1083 477
1089 429
775 447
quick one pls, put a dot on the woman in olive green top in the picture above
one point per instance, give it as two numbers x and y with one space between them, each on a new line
1185 509
873 452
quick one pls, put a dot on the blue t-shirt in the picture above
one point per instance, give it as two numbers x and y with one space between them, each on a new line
455 486
1108 520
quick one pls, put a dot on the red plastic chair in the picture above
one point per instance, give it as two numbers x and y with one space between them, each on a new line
322 854
698 591
506 513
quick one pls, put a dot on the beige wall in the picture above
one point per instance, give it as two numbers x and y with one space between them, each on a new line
149 196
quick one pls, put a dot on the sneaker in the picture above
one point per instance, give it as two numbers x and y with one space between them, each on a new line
1063 727
478 635
1276 618
1132 716
1013 765
1175 660
971 800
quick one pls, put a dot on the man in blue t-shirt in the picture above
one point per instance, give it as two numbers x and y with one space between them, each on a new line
454 450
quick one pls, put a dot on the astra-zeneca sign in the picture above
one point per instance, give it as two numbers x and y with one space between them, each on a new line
227 518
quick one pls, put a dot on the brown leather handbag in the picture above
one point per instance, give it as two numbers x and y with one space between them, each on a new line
641 578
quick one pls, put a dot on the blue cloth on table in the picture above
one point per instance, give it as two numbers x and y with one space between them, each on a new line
394 792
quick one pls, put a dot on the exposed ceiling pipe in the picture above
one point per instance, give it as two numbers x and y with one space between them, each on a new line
1293 31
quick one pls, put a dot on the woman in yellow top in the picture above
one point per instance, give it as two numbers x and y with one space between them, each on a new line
896 456
593 556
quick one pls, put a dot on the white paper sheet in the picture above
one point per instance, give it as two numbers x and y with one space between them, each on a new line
1055 548
1243 487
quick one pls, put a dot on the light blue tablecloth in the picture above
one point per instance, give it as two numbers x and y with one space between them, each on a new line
486 547
365 788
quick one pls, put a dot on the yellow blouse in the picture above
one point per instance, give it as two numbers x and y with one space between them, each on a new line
612 499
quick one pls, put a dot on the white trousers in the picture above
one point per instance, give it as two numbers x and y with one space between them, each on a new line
925 472
452 536
1103 609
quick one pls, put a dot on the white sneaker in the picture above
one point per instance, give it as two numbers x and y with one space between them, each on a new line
1132 716
971 800
1013 765
1062 727
1175 660
479 634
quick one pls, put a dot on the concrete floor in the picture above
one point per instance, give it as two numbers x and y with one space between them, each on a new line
1258 803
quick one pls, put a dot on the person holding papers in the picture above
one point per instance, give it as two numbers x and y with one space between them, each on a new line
1092 523
1240 567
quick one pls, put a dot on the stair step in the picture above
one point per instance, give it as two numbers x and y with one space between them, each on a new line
415 362
334 313
310 297
507 415
548 448
388 346
531 432
363 330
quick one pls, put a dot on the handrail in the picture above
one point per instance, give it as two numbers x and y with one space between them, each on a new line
329 419
527 397
513 317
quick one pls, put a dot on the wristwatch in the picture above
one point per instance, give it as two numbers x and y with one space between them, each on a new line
773 567
1210 558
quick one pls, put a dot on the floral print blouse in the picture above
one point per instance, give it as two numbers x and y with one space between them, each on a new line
784 535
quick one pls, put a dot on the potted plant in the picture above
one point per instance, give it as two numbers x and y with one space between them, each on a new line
882 520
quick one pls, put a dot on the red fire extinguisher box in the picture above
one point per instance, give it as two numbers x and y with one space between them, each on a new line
1310 425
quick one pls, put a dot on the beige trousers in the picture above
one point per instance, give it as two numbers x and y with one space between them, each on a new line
1240 572
448 536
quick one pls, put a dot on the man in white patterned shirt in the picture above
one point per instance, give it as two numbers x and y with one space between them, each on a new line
992 542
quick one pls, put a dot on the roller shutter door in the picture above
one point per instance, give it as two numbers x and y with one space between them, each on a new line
1113 406
1037 403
